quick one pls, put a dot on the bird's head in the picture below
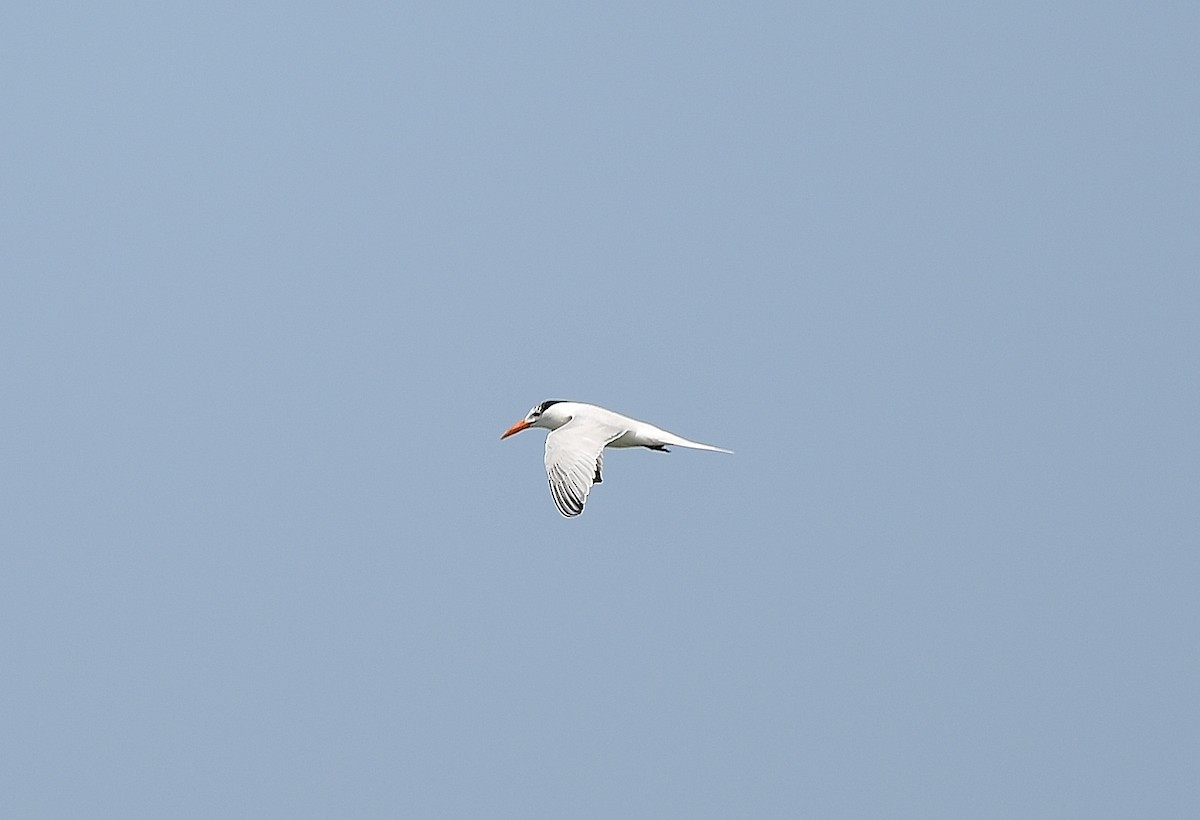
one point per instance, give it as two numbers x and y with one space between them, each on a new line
545 415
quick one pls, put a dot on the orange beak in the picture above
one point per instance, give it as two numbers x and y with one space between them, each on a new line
516 428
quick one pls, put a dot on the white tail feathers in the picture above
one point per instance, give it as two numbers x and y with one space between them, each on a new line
678 441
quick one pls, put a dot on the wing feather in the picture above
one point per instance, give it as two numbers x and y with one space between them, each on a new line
573 461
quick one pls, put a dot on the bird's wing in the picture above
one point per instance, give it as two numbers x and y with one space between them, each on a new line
573 461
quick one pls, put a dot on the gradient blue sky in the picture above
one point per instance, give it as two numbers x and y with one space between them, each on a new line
276 277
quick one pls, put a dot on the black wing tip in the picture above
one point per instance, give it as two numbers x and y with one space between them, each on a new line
568 510
567 504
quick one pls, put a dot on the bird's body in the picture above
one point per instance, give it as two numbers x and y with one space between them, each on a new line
575 446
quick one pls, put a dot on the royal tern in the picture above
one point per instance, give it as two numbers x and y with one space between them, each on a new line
575 446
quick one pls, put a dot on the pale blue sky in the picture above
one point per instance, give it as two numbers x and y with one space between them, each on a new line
275 279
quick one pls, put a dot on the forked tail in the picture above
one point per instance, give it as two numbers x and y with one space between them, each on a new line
679 441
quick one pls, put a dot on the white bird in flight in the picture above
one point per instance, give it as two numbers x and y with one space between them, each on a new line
575 446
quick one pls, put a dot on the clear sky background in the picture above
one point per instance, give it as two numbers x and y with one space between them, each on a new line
275 277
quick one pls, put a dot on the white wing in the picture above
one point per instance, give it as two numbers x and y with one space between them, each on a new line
573 461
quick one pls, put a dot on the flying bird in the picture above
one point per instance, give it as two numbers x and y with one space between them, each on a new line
575 446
